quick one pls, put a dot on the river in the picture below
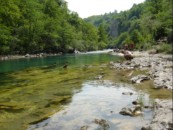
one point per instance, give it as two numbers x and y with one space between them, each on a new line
39 94
70 59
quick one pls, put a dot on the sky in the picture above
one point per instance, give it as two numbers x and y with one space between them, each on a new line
86 8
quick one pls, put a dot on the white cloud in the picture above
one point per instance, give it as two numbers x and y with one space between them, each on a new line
87 8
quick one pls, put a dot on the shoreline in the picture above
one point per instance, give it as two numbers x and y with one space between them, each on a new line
159 68
40 55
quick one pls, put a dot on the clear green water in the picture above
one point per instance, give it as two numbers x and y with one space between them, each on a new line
70 59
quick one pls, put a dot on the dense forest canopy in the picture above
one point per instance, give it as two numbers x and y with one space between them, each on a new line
144 24
35 26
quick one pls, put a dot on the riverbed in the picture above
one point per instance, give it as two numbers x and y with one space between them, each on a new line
99 100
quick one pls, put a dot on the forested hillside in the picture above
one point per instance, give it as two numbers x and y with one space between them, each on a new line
145 25
34 26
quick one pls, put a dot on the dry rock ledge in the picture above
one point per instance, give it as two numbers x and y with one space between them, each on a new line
159 68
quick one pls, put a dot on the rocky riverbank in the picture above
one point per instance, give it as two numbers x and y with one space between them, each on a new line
159 69
162 117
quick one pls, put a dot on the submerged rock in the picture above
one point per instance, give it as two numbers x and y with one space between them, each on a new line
101 122
150 107
127 93
65 66
11 108
84 128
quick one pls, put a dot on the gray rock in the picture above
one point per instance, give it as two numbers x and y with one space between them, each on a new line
126 111
76 51
27 55
99 77
139 78
162 118
84 127
134 111
153 51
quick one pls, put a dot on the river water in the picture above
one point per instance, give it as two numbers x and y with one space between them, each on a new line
98 100
92 99
70 59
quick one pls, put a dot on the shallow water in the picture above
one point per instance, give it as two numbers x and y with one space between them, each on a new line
98 99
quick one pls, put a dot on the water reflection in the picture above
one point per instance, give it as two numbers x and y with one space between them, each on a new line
98 100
